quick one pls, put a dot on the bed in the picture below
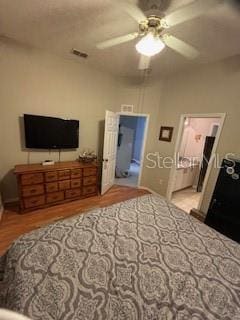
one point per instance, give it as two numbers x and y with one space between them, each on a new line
138 259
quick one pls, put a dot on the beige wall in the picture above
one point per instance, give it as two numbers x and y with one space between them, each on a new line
146 99
209 89
35 82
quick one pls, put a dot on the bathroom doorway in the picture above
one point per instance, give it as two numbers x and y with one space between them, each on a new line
197 142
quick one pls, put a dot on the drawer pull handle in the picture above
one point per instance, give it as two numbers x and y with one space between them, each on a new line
33 191
34 201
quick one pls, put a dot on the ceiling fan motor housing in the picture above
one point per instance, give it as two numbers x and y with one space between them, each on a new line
152 24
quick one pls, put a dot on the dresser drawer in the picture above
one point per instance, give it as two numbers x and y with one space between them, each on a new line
51 187
34 202
55 197
76 173
76 183
41 186
64 185
89 180
31 178
89 190
34 190
51 176
89 172
64 174
73 193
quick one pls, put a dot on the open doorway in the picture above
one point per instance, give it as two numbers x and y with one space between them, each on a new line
130 145
197 142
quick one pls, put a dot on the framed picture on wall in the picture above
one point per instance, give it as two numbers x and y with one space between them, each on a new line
166 134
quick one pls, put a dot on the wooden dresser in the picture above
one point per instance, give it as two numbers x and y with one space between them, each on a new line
42 186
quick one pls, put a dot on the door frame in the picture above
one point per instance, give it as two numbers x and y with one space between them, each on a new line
146 116
222 117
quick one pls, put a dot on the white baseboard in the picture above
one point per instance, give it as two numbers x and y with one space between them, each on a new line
150 190
136 161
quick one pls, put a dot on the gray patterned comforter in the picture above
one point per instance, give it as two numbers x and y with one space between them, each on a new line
139 259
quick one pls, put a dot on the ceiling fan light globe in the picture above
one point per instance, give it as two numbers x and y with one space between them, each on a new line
150 45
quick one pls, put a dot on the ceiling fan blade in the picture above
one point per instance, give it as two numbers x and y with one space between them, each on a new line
180 46
144 62
191 11
135 12
115 41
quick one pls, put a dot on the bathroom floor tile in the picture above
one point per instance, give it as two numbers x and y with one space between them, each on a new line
186 199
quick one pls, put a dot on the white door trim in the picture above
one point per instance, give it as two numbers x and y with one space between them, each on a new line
222 117
213 124
146 116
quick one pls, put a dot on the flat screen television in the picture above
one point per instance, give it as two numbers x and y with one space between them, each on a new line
50 133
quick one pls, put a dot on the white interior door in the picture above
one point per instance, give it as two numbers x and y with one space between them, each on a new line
109 150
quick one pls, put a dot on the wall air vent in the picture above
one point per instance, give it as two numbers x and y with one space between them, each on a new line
79 53
127 108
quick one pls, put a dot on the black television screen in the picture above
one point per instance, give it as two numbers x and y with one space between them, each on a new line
50 133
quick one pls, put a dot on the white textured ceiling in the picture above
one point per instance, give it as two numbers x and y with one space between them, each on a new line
57 26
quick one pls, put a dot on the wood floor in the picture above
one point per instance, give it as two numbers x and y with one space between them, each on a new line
14 224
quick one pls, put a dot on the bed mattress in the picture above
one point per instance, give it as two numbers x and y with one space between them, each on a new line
139 259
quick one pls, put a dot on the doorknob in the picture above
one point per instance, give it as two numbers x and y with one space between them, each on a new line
106 160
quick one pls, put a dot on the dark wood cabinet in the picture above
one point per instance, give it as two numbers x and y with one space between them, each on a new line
223 213
42 186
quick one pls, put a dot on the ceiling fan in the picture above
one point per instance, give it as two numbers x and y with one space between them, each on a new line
151 31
